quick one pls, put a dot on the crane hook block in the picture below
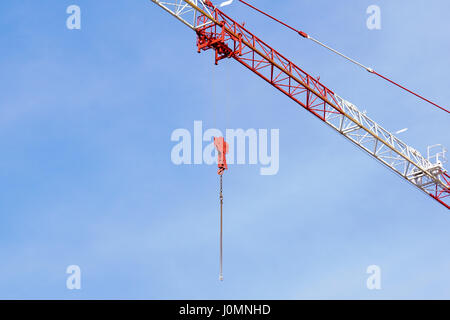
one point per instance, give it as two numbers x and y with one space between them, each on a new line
222 149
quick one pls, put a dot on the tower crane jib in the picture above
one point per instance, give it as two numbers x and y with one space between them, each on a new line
229 39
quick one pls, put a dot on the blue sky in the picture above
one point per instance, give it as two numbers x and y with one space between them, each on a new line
86 177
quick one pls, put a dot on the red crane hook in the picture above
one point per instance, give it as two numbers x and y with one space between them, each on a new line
222 148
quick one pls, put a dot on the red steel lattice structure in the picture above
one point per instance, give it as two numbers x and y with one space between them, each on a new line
217 31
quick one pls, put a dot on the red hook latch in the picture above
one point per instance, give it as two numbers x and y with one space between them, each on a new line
222 148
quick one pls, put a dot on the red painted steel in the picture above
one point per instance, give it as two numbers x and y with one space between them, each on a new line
243 46
442 194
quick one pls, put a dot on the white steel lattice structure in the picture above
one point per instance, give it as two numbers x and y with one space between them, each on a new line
185 12
229 39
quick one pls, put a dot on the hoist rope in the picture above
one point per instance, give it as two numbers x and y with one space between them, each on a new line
305 35
221 232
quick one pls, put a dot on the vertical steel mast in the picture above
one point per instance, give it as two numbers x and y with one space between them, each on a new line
229 39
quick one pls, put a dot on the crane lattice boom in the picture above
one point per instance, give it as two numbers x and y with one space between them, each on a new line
229 39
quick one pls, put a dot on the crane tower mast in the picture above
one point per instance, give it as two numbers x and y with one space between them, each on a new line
217 31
